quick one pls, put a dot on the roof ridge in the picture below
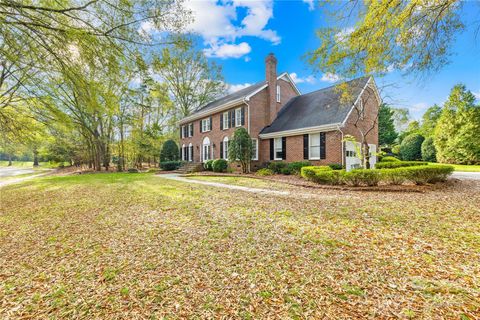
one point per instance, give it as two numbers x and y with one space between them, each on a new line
334 85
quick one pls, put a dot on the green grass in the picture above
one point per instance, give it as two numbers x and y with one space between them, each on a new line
124 246
462 167
29 164
245 182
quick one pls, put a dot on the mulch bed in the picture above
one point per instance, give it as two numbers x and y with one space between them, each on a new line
300 182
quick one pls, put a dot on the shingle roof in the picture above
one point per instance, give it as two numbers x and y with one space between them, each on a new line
240 94
321 107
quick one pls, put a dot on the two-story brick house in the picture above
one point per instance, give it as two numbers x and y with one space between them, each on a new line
284 124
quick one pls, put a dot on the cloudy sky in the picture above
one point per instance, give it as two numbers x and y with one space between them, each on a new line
239 34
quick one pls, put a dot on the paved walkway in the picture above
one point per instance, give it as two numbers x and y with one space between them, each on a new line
17 180
176 177
466 175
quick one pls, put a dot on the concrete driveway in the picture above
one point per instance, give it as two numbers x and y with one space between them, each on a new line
466 175
12 171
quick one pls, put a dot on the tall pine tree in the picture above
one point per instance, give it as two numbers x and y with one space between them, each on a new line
386 127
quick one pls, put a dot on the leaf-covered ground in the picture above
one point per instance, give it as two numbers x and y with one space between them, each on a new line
135 246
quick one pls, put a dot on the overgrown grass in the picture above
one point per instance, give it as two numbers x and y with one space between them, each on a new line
116 245
462 167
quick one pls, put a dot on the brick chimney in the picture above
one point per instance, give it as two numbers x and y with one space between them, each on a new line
271 77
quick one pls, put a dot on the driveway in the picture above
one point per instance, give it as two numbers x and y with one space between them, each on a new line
12 171
466 175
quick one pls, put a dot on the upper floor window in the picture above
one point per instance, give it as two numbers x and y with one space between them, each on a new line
226 120
278 93
238 117
206 124
190 129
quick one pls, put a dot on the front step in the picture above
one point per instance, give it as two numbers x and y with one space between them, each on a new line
190 167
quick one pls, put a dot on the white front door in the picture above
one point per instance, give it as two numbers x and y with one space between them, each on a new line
206 152
352 160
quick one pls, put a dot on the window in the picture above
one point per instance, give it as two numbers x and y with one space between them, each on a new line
254 149
182 152
206 149
226 123
278 93
225 148
238 117
314 143
190 152
206 125
190 129
278 149
182 132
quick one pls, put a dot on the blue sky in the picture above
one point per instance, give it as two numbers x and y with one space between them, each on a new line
239 34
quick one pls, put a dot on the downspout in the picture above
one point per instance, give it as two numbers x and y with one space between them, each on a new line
343 147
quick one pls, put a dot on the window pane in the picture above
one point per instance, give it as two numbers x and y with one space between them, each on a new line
314 152
315 139
238 117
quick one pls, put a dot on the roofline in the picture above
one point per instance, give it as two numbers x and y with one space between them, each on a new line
375 90
236 102
296 132
208 112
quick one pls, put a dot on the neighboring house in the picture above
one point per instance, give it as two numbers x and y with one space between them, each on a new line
286 125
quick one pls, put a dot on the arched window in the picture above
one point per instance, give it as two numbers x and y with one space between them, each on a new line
190 152
225 148
206 149
182 152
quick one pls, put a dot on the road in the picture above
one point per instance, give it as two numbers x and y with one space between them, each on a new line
12 171
466 175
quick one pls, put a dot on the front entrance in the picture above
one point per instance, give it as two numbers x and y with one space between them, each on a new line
206 152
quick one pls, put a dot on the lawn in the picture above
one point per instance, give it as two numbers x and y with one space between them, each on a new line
244 182
462 167
111 246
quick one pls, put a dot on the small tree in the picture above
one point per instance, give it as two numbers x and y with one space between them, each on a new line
386 128
411 147
428 150
240 149
169 151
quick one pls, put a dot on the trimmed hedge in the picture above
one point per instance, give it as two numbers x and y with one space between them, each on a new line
219 165
264 172
277 167
335 166
371 177
399 164
170 165
389 159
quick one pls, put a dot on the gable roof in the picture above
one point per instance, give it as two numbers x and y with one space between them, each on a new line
234 99
321 108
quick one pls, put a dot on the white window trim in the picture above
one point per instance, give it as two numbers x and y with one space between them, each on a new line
205 127
190 130
278 93
225 120
255 142
310 146
275 148
182 131
225 148
238 117
190 147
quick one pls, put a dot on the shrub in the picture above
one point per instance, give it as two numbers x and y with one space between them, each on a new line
389 159
169 151
286 171
277 166
208 165
170 165
369 177
264 172
411 147
333 177
395 176
308 172
427 174
429 153
351 179
335 166
220 165
133 170
296 167
399 164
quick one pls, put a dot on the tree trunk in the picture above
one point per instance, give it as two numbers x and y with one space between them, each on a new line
366 155
35 157
9 160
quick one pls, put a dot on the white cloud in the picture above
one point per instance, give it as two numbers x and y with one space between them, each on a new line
477 94
309 79
311 4
247 59
330 77
418 109
236 87
344 33
219 26
228 50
